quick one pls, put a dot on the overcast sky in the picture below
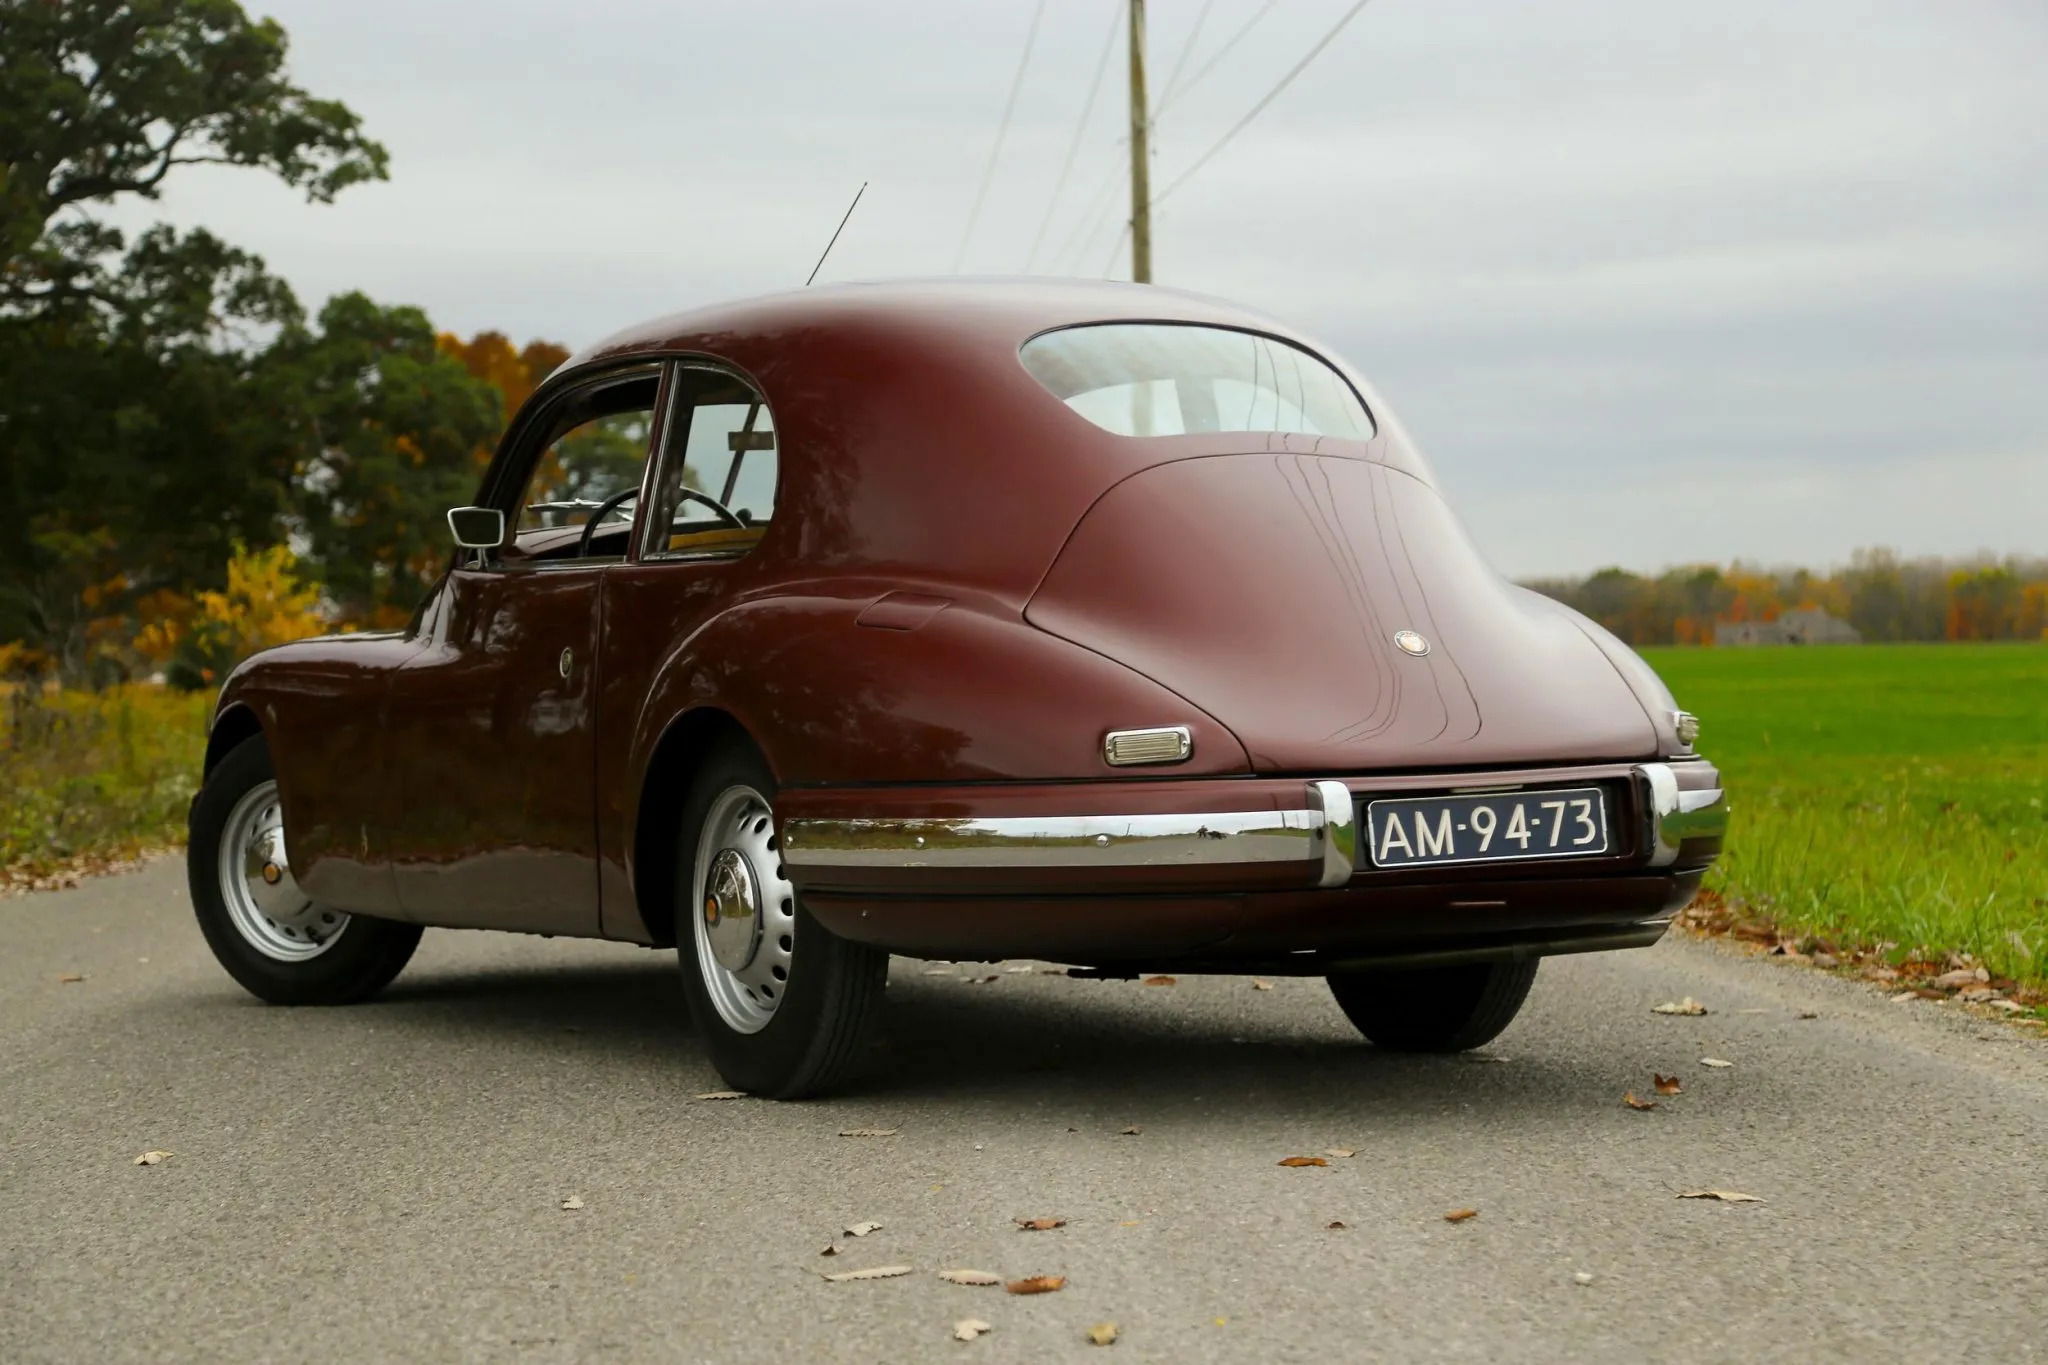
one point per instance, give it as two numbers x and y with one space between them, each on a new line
1650 282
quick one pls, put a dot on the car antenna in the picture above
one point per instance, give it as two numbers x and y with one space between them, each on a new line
835 234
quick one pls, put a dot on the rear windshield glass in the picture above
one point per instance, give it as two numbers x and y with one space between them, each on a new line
1163 379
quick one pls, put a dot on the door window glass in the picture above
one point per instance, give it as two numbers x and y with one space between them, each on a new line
715 492
588 470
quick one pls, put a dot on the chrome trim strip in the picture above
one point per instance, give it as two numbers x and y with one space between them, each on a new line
1340 831
1676 815
1260 836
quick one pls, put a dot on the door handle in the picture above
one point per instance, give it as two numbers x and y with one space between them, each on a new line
568 663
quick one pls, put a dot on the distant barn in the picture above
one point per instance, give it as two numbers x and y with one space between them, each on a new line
1806 626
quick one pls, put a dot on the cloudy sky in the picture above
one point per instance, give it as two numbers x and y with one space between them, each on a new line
1650 282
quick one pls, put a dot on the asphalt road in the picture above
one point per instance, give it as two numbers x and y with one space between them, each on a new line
385 1181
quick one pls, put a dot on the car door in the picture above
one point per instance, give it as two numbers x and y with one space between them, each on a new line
491 726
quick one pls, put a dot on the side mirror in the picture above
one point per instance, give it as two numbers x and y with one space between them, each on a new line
477 528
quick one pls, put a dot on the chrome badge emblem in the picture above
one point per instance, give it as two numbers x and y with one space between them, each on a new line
1411 643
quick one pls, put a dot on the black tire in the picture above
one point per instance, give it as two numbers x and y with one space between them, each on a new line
825 1024
1435 1009
361 956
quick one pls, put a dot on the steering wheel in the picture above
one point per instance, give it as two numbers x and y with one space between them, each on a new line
613 503
604 509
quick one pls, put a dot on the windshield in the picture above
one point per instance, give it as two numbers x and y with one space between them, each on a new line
1165 379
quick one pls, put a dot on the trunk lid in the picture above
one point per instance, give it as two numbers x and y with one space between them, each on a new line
1267 589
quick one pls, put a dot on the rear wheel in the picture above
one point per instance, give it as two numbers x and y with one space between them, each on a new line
786 1009
278 943
1435 1009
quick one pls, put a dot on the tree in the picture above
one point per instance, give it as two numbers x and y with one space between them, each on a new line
104 98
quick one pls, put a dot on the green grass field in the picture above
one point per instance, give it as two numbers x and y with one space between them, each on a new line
1884 793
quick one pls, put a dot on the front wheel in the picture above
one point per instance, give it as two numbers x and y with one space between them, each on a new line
786 1008
1435 1009
279 944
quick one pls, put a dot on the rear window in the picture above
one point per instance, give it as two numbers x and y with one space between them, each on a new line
1164 379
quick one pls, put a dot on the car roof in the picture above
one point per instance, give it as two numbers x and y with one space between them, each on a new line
1007 311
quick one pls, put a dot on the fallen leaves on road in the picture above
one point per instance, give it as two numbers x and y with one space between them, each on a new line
1959 978
70 978
1581 1277
983 980
1161 981
869 1132
969 1277
1686 1006
1039 1224
1340 1151
1809 1014
1131 1131
878 1272
967 1329
1339 1225
1036 1284
1665 1085
1102 1334
1724 1196
1259 985
1629 1098
722 1095
1302 1161
1715 1062
153 1158
1460 1215
829 1249
572 1203
863 1229
938 971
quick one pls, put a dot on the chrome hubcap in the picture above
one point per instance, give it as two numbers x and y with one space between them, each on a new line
745 910
256 884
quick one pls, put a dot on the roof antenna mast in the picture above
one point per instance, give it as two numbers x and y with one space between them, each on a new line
835 234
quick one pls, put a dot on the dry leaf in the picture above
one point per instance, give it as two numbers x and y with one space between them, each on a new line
938 971
879 1272
1302 1161
863 1229
1036 1284
868 1132
70 978
1460 1215
1161 981
967 1329
1339 1226
1809 1014
1725 1196
723 1095
1340 1151
969 1277
152 1158
830 1249
982 980
1131 1131
1666 1085
1015 971
1581 1277
1715 1062
1102 1334
573 1203
1685 1006
1039 1224
1259 985
1629 1099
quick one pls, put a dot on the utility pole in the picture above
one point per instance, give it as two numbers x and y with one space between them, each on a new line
1141 177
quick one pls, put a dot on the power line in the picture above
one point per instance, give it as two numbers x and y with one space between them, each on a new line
1080 127
1075 248
1269 97
1187 49
1002 130
1174 92
1116 248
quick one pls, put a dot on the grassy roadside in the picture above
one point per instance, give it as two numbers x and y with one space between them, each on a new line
88 778
1888 799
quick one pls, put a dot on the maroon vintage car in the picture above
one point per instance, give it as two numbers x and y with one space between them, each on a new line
965 620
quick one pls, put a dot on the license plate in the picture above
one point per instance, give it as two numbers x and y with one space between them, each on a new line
1497 827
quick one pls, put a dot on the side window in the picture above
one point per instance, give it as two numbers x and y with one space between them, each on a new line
587 471
715 489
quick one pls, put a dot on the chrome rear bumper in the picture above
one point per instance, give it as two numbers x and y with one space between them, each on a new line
1321 835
